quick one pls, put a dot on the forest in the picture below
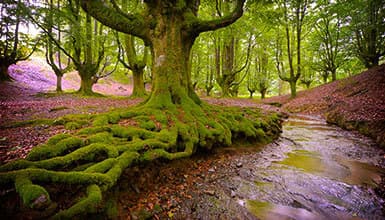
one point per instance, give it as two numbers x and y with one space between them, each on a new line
261 78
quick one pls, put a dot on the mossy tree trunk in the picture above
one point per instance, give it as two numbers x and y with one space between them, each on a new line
136 65
87 79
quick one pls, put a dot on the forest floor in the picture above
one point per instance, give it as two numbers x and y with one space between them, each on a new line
356 103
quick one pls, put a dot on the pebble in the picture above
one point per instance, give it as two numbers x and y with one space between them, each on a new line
210 192
239 165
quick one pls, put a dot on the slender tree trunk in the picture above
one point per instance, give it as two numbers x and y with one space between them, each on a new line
263 94
58 83
293 88
4 74
334 75
139 90
251 94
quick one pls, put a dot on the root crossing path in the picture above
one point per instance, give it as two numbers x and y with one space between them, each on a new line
314 171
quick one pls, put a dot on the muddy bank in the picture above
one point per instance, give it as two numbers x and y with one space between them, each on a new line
314 171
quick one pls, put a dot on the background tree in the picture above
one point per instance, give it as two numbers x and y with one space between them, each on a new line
90 45
14 45
53 54
366 21
136 62
328 34
293 20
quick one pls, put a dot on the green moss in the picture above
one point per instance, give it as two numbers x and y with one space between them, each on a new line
112 208
114 117
95 157
103 137
93 130
86 205
72 125
55 147
33 196
100 120
56 138
148 125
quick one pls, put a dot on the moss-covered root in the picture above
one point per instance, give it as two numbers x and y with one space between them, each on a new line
34 196
86 205
95 157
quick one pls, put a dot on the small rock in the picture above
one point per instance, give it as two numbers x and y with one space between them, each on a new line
239 165
210 192
211 170
232 194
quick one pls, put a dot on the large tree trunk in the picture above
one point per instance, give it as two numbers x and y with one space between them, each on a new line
171 52
4 74
86 82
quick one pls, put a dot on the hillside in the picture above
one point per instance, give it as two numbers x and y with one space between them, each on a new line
355 103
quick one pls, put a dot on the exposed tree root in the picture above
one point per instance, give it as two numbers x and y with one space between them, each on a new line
106 144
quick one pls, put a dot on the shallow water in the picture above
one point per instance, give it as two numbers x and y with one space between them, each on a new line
322 172
313 171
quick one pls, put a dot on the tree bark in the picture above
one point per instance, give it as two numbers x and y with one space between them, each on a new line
139 89
171 53
86 81
59 83
293 88
4 74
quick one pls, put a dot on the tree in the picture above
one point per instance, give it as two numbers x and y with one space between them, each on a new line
294 13
135 63
53 54
368 26
14 45
328 29
89 44
170 30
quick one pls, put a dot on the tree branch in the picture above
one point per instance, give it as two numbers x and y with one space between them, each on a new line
118 20
202 26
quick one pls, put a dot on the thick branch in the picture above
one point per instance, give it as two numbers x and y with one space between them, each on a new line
126 23
202 26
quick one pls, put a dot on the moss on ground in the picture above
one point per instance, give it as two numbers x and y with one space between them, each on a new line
95 156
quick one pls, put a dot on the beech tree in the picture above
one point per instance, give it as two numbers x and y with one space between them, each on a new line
368 27
53 54
14 45
170 29
293 20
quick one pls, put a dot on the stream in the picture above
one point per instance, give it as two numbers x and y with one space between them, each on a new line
313 171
